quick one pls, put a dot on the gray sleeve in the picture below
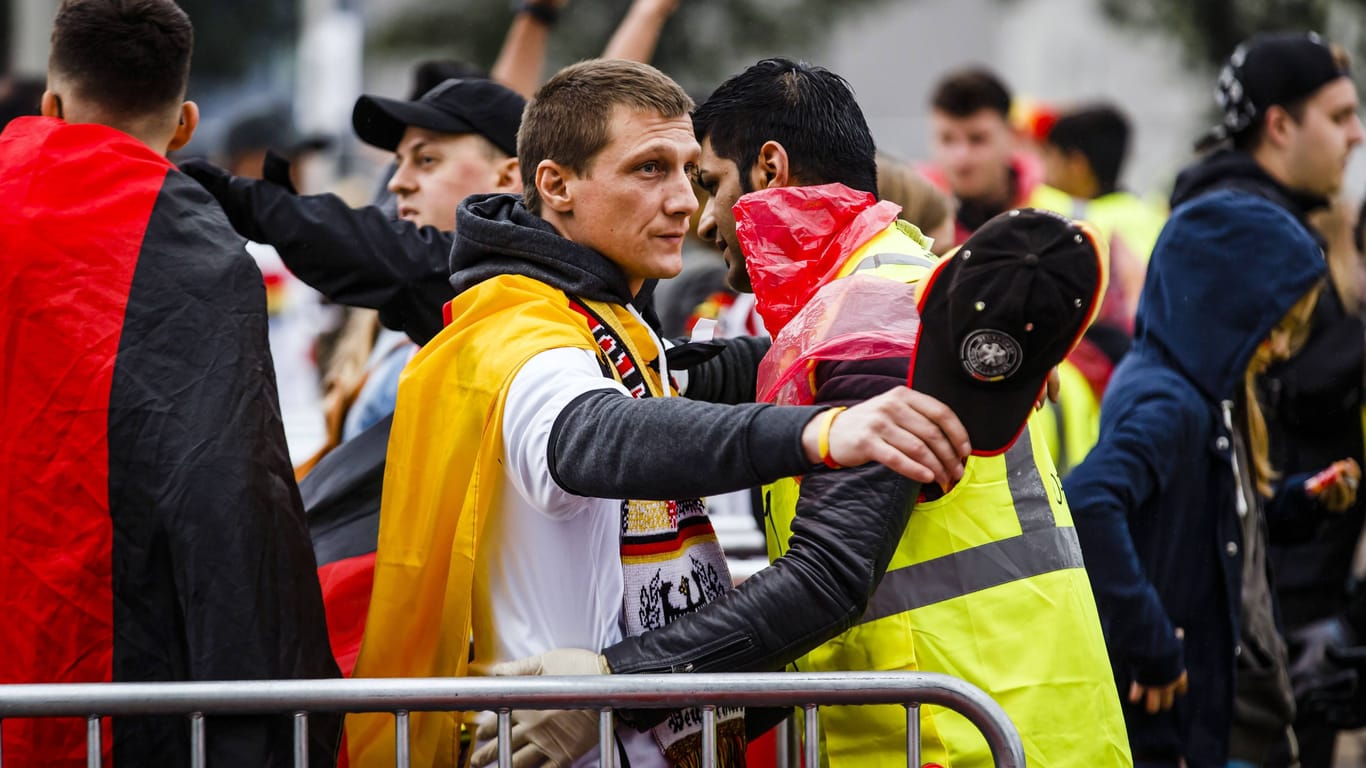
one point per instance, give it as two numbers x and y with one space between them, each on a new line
607 445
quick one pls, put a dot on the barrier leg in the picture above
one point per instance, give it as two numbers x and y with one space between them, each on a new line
607 745
300 740
401 739
912 736
782 750
94 749
708 736
813 738
199 753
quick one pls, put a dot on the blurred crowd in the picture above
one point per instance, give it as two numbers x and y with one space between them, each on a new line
995 415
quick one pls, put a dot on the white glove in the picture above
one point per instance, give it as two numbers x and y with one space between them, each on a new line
554 737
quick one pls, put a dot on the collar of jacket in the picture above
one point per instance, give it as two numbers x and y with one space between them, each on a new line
1235 169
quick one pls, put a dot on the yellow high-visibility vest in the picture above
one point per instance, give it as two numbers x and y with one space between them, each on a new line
987 584
1070 426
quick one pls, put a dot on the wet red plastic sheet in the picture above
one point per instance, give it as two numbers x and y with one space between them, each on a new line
856 318
795 239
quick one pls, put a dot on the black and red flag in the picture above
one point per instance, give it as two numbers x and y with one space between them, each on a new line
341 496
150 527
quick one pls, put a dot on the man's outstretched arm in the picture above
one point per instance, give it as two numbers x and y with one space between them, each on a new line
360 257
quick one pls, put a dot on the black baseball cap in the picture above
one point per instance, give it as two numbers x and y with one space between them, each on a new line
455 106
1267 70
1000 313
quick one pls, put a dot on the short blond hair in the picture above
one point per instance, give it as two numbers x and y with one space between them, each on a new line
568 120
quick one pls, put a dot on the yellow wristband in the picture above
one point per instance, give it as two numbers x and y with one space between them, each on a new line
823 441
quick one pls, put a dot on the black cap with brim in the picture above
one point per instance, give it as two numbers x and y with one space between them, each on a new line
1269 69
455 106
999 314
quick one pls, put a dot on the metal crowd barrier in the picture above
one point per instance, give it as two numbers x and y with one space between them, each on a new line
401 696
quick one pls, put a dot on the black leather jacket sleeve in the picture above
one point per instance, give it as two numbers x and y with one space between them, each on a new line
360 257
847 527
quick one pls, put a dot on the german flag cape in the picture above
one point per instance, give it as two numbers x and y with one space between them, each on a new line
443 477
150 528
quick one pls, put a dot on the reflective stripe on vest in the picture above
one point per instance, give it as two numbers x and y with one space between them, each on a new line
870 263
1042 547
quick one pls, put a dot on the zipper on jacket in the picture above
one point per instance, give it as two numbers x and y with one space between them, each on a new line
724 650
711 652
1227 407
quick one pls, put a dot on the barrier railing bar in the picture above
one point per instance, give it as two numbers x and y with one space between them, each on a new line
257 697
199 751
813 738
478 694
607 747
912 736
94 746
708 737
401 742
300 740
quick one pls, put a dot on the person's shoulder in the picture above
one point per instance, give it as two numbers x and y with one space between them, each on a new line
193 223
189 247
1155 397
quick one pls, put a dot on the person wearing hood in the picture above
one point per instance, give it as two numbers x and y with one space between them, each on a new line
1289 126
542 482
1173 504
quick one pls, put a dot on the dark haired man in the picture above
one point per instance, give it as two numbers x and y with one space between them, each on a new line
1289 126
152 530
789 162
458 139
974 149
1083 157
543 481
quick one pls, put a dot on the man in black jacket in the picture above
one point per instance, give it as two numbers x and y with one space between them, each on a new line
1290 124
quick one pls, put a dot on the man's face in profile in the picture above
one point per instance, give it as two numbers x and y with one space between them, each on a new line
437 170
721 180
633 201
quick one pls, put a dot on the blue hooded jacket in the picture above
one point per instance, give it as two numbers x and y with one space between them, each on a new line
1155 501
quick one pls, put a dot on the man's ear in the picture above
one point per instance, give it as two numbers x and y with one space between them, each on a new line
552 184
771 168
507 176
189 121
50 105
1278 124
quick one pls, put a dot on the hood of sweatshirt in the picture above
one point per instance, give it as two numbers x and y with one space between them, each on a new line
496 235
1225 270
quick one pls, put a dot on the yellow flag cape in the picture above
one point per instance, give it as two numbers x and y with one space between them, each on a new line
441 480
